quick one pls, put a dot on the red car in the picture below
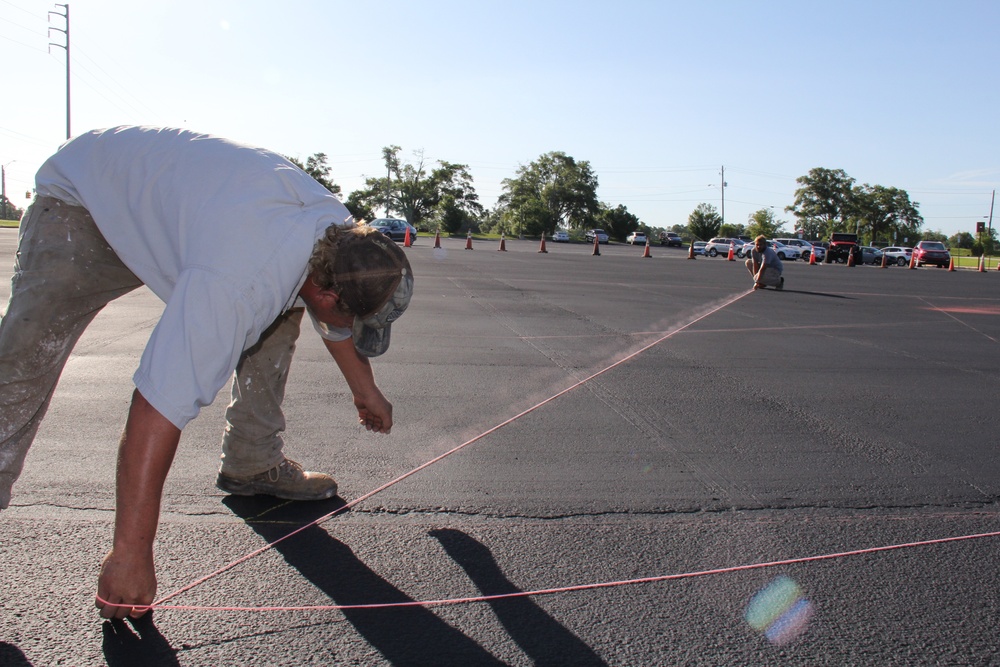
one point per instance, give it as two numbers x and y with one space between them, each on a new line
931 252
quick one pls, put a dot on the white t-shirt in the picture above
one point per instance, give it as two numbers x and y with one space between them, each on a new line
222 232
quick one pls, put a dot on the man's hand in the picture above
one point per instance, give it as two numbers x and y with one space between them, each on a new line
127 578
374 413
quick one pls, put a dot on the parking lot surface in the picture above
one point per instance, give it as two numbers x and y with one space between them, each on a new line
830 447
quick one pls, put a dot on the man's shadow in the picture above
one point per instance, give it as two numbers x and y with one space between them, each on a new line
12 656
539 635
404 636
137 643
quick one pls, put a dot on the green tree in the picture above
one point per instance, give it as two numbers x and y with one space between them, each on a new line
617 221
10 212
555 190
885 213
704 222
764 222
414 191
317 167
824 201
962 240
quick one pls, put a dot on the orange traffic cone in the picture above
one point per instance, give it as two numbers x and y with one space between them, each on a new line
691 250
407 241
541 246
812 259
951 264
503 244
597 247
645 253
732 253
437 239
982 266
913 261
885 261
850 258
468 241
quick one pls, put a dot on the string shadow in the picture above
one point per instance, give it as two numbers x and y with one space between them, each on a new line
137 643
404 636
807 292
539 635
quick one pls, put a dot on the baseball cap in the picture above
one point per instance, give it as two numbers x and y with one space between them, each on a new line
371 334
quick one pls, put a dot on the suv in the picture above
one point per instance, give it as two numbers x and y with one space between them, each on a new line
596 233
931 252
805 248
721 244
671 239
897 255
842 246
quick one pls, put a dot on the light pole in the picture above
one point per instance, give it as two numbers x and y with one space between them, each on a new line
65 32
3 186
722 189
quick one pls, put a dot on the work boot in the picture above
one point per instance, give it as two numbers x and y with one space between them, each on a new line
781 284
286 480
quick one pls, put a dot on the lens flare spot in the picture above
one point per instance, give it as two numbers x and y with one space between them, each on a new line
779 611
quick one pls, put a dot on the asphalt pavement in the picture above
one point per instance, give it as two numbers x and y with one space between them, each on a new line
795 477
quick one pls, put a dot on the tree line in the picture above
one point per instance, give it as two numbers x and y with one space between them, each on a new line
556 191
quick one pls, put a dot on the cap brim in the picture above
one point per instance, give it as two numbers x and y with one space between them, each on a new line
371 335
369 341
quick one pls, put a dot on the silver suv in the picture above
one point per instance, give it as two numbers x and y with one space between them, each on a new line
805 248
721 244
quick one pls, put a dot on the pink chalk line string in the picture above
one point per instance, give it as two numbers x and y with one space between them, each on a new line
582 587
360 499
159 604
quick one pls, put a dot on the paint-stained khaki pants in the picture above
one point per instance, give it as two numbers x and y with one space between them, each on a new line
64 274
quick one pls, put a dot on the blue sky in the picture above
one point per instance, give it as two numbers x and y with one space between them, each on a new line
657 95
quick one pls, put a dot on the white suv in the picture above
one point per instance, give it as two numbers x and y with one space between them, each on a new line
805 248
721 244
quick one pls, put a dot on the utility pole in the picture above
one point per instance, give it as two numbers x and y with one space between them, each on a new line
388 188
3 187
65 32
723 190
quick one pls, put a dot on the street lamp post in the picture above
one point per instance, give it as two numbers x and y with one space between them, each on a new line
3 186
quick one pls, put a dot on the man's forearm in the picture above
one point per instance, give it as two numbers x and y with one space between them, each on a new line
145 454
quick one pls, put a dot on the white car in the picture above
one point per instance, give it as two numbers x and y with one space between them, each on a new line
561 237
805 248
636 237
785 251
897 255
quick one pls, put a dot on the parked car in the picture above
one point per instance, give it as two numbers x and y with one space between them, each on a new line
561 237
870 255
596 233
781 250
699 247
785 251
394 228
671 239
931 252
897 255
721 244
636 237
806 248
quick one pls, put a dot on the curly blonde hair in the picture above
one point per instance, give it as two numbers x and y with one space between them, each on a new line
361 264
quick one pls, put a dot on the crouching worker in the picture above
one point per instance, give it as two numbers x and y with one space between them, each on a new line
765 265
239 243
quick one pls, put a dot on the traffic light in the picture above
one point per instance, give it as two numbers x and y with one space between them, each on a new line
980 227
